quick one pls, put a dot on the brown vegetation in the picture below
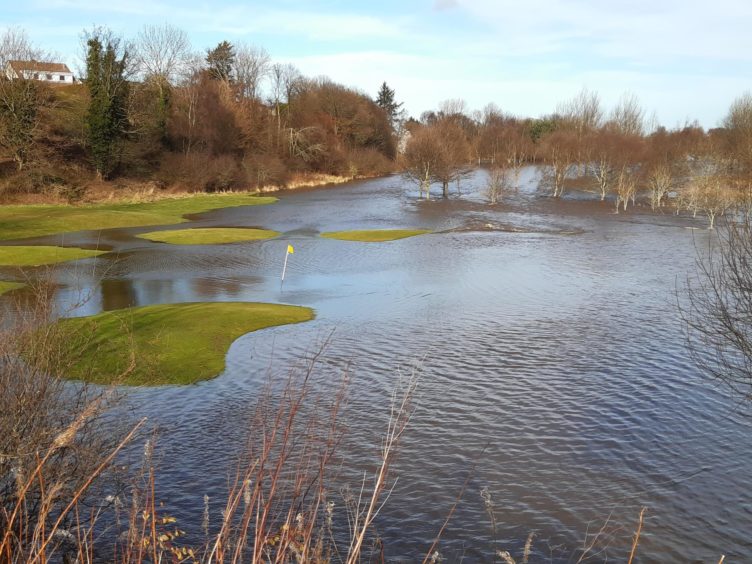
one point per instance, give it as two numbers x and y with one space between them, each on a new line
233 120
692 170
187 125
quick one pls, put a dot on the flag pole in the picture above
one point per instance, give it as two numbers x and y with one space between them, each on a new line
284 268
290 250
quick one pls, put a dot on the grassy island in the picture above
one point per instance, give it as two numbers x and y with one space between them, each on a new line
169 344
209 236
41 255
22 221
374 235
8 286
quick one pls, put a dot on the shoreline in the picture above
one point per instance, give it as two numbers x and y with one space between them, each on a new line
136 192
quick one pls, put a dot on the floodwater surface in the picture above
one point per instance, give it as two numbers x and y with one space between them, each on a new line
552 366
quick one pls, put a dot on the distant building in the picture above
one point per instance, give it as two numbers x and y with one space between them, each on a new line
54 73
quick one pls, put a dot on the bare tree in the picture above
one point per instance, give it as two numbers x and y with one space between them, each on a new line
713 197
423 154
161 56
251 66
628 117
498 182
583 112
559 150
660 179
15 45
284 80
453 107
436 153
187 98
625 186
603 151
718 314
627 157
455 154
516 149
162 52
738 124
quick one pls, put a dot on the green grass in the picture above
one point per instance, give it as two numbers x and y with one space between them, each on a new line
39 255
8 286
374 235
18 222
171 344
208 236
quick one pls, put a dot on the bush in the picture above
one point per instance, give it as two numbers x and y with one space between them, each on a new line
200 172
53 437
369 162
265 170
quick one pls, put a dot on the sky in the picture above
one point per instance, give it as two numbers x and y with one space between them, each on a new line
683 59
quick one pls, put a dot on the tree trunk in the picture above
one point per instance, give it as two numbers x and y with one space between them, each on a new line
445 189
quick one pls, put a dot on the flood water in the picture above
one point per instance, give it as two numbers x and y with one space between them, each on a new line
550 354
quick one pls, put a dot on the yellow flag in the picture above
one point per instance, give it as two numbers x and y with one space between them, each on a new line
290 250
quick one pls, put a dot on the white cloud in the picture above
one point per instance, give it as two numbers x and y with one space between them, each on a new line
316 26
642 30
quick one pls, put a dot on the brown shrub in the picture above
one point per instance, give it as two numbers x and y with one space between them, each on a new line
201 172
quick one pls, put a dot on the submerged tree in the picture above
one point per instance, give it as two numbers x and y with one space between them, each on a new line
559 151
106 68
497 183
423 155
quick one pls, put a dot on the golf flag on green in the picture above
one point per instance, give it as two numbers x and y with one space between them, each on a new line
290 251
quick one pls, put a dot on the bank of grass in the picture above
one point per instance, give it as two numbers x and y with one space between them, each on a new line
209 236
22 221
41 255
167 344
8 286
374 235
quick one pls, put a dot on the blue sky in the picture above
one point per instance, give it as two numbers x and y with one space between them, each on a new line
684 59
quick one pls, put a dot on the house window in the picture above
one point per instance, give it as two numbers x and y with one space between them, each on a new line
49 76
36 76
62 77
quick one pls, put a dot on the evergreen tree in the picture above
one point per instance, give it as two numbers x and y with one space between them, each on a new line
108 90
221 61
386 100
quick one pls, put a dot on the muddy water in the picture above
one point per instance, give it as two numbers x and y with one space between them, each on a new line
550 354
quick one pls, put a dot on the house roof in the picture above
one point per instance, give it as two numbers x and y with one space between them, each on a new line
37 66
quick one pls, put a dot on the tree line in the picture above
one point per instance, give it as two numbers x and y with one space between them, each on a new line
152 108
582 146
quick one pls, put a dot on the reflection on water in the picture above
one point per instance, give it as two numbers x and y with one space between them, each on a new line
551 357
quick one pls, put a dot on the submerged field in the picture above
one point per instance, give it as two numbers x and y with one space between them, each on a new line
19 222
553 374
374 235
209 236
42 255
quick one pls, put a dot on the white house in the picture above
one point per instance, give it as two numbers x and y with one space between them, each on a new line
54 73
